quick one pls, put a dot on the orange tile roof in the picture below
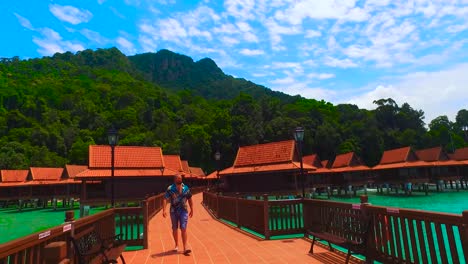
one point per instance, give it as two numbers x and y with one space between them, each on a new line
449 163
313 160
106 173
396 155
292 166
48 174
126 157
213 175
197 172
351 169
431 154
261 154
401 165
185 166
73 170
38 182
343 160
14 175
461 154
173 162
326 164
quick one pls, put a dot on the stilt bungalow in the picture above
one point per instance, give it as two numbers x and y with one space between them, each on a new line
320 177
349 173
400 169
443 170
13 186
270 167
461 155
138 172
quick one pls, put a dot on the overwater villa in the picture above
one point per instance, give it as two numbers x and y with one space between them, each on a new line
266 167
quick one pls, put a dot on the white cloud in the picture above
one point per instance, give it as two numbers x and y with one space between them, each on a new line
240 9
24 22
248 32
229 41
457 28
313 34
117 13
148 44
252 52
126 46
172 30
276 31
51 42
70 14
344 63
296 67
101 1
323 9
436 93
94 36
291 86
321 76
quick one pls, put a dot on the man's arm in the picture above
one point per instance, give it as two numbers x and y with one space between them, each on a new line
164 207
190 202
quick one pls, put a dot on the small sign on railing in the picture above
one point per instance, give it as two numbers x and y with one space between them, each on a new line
44 235
67 227
357 206
393 210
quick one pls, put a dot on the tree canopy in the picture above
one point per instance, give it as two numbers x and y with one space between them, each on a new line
53 108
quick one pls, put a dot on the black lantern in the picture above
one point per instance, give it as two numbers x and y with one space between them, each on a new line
217 157
465 129
299 138
113 137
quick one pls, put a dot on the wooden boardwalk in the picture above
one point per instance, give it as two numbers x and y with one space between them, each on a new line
214 242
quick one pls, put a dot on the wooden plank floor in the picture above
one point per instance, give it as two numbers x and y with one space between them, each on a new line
214 242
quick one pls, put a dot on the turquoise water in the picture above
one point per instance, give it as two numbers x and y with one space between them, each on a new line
15 224
447 202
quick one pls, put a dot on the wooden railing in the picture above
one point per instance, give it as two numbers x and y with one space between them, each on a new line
400 235
396 235
130 223
29 249
285 217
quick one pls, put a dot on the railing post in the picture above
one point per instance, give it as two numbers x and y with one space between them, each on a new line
237 211
464 233
217 205
370 235
145 224
56 252
266 217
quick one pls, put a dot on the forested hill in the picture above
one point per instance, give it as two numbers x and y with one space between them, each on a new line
52 108
178 72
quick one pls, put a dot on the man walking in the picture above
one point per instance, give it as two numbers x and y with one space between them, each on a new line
178 194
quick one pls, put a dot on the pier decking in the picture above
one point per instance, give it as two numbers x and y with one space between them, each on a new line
214 242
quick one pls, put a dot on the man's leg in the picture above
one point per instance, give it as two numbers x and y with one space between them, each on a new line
175 235
183 230
175 224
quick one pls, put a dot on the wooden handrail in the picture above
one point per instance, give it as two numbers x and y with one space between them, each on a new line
401 235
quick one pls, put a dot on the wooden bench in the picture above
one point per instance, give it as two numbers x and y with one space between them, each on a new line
90 248
344 229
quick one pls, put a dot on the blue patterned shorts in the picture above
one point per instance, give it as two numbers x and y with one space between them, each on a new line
179 219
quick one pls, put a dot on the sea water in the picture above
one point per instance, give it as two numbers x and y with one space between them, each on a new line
446 202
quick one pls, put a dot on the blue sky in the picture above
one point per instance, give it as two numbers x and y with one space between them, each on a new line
342 51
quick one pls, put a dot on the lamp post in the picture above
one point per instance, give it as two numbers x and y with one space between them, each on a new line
217 157
113 137
465 129
299 138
